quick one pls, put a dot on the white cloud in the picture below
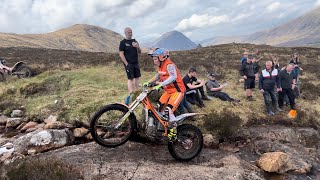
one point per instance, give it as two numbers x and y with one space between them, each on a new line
241 2
241 16
318 3
140 7
188 34
273 6
200 21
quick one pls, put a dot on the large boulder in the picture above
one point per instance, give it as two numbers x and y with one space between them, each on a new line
43 140
274 162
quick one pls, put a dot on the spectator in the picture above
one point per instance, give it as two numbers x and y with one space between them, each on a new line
245 56
296 61
184 105
287 84
249 73
193 85
128 51
215 89
267 81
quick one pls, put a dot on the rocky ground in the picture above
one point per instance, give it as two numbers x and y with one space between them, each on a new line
257 152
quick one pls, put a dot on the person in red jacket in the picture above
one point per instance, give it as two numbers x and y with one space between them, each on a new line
169 78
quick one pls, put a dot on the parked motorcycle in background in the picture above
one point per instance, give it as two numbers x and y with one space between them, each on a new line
20 69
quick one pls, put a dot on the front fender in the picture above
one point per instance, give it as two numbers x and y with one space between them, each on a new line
17 65
182 117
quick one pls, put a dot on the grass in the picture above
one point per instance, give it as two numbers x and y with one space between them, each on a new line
76 94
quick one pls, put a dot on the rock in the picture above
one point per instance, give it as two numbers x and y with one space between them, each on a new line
31 129
51 119
4 150
41 125
57 125
21 125
31 151
29 125
17 113
3 120
209 140
8 145
80 132
43 140
50 139
274 162
6 156
89 136
13 122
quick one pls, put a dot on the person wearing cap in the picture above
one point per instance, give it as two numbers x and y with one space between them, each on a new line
267 81
248 72
215 89
193 87
169 78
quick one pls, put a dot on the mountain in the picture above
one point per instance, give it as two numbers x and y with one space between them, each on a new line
174 41
221 40
302 31
77 37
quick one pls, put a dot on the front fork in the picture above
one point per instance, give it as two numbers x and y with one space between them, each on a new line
125 116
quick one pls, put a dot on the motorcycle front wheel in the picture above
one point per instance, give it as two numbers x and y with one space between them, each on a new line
103 122
24 72
188 144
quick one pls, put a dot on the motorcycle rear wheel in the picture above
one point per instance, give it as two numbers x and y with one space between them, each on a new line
24 72
189 143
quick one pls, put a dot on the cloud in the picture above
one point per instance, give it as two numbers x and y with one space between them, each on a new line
318 3
240 2
273 7
200 21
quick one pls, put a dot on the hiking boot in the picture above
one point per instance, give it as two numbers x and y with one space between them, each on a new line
205 98
270 113
200 105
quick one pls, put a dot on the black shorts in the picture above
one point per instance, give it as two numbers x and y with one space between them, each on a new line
249 83
133 71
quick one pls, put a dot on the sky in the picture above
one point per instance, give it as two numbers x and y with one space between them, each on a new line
149 19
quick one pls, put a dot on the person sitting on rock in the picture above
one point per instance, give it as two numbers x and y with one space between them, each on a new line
192 94
215 89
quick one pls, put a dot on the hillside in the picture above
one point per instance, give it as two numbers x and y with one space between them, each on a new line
74 76
221 40
79 37
302 31
174 41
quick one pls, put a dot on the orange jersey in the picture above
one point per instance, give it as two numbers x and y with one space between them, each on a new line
177 85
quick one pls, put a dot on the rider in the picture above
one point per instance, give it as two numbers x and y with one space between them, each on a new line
170 79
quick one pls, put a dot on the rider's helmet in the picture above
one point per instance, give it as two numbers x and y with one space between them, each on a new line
162 54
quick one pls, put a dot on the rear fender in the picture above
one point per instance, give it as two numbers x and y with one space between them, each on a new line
17 65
